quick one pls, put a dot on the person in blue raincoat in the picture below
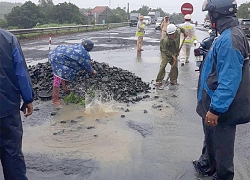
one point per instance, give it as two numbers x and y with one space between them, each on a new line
65 61
223 91
14 84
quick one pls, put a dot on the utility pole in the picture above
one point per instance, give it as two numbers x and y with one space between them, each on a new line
128 12
109 3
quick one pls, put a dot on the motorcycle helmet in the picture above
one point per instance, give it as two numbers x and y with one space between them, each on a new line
87 44
219 8
171 28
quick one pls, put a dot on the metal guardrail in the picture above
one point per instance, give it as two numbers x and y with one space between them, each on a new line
78 27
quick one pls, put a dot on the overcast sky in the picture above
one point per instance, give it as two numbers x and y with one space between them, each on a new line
169 6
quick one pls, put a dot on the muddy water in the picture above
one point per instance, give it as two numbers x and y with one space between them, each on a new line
80 131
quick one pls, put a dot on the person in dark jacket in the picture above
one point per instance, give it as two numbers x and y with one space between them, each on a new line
14 83
66 60
223 91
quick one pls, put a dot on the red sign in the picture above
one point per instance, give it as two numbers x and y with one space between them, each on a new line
187 8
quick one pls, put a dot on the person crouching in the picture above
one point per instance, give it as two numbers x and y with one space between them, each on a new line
65 61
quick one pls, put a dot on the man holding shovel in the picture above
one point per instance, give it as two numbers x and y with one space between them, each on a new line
170 48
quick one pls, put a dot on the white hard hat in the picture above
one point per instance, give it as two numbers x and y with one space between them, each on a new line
171 28
187 16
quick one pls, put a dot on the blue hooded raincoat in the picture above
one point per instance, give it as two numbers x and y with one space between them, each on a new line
66 60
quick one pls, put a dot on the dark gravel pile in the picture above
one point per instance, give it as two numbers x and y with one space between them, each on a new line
123 85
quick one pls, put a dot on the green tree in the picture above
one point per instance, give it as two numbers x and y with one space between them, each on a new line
162 13
121 13
46 7
143 10
12 18
114 19
5 7
26 16
244 11
3 23
85 10
45 3
66 13
177 18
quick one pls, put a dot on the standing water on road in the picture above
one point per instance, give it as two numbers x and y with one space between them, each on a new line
100 102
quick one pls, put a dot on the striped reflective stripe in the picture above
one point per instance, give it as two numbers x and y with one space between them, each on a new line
187 27
191 41
139 33
188 41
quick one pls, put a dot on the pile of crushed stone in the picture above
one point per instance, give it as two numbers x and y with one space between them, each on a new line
122 85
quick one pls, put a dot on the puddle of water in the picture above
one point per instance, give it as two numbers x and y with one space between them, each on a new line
40 48
31 62
75 41
148 39
108 45
147 59
73 132
115 33
97 131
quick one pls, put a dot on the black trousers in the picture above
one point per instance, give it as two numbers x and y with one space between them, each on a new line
11 155
218 151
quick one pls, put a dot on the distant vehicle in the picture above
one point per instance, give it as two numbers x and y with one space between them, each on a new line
160 18
147 20
207 24
154 15
245 25
158 24
134 18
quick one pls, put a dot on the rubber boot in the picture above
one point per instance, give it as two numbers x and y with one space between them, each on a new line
55 96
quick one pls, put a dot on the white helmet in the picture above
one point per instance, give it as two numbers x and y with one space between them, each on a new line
187 17
171 28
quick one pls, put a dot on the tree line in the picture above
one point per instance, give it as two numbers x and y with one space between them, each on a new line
29 15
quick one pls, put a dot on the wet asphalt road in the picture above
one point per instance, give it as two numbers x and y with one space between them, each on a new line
156 140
